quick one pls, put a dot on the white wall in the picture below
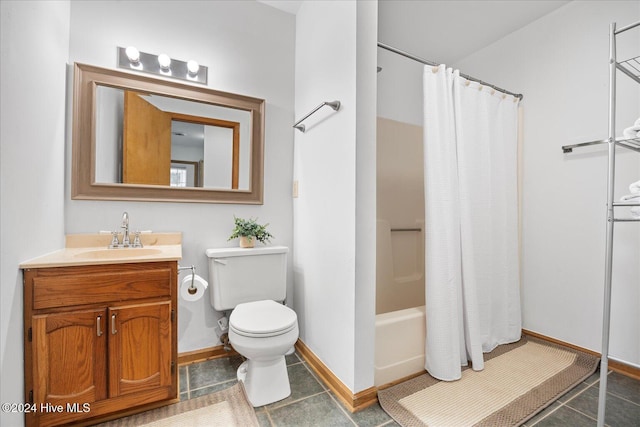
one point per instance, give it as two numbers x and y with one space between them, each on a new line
334 215
109 115
400 95
365 285
218 156
560 64
35 48
249 50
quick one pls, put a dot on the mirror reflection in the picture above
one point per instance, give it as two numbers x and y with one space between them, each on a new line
150 139
144 138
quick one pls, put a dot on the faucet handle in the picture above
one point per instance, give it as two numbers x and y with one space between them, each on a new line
136 241
114 240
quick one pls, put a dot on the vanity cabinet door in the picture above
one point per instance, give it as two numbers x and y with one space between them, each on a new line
140 348
69 357
99 340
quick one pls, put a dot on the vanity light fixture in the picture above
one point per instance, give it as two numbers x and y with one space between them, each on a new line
192 68
133 54
165 62
131 58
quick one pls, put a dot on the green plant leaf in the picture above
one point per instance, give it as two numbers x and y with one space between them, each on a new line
250 227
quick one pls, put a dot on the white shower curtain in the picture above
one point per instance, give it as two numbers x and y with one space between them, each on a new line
471 210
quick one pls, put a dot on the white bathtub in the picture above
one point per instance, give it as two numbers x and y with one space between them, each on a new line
400 344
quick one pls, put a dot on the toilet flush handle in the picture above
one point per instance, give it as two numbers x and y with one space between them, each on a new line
220 261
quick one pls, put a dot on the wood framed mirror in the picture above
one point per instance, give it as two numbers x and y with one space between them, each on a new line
142 138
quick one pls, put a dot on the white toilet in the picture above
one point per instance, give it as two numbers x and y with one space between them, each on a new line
253 282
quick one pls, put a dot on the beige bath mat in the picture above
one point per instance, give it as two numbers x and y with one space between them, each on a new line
226 408
518 381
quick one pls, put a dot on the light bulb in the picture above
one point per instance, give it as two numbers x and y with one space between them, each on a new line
193 67
133 54
164 61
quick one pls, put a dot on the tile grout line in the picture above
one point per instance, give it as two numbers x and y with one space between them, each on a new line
588 386
325 390
315 377
546 416
594 386
582 413
623 398
268 410
561 404
271 422
211 385
344 411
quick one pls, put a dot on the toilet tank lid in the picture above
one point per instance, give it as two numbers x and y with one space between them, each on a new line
231 252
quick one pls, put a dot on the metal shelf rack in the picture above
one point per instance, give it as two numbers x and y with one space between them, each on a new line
630 68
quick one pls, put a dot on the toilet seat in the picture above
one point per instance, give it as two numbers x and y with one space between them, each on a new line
262 319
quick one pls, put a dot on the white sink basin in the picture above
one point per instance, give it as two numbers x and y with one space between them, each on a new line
117 253
92 249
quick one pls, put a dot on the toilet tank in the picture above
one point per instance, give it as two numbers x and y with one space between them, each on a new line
239 275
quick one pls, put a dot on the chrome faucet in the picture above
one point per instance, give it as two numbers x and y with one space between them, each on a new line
125 225
126 239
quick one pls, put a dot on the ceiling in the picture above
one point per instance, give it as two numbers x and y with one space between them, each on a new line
445 31
290 6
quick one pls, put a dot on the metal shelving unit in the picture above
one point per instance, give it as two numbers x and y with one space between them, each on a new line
631 68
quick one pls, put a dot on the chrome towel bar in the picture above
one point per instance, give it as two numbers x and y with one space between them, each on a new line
630 143
333 104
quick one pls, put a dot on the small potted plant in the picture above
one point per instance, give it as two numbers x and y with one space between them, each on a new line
248 230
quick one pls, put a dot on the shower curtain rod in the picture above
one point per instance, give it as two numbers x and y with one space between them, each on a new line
433 64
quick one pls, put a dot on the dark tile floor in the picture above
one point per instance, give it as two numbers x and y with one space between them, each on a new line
312 404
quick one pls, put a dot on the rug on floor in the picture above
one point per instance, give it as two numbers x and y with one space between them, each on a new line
225 408
518 381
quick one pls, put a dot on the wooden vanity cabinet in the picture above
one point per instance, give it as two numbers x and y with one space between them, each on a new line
100 341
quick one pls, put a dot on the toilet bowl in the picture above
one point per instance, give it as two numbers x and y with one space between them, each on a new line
252 283
263 332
